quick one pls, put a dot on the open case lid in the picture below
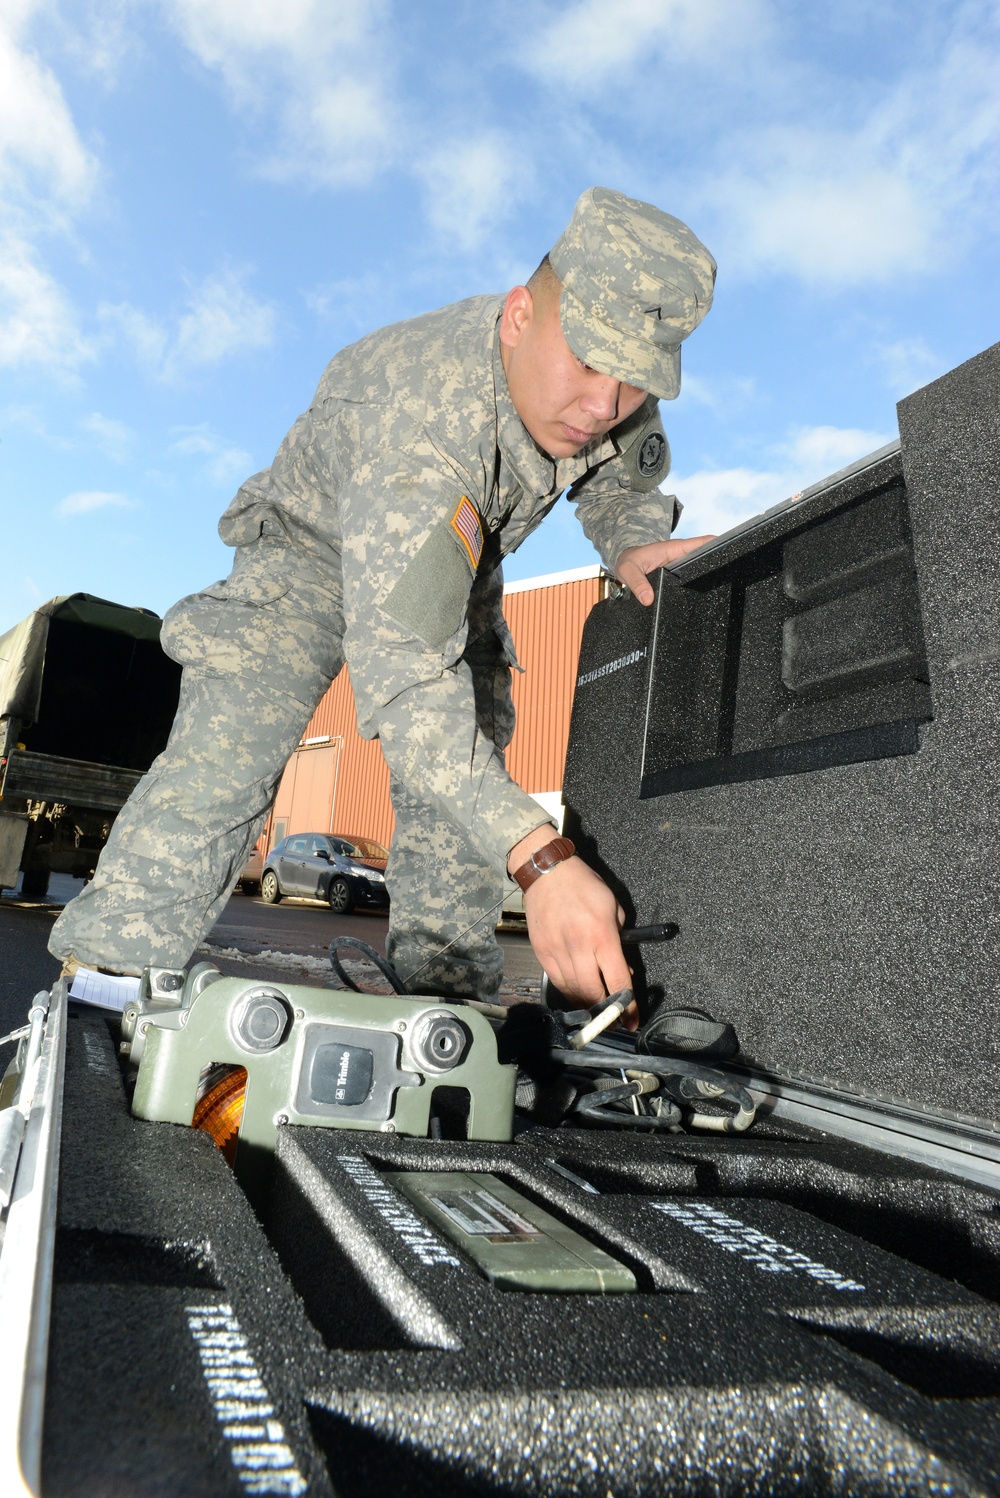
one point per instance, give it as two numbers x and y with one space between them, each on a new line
793 755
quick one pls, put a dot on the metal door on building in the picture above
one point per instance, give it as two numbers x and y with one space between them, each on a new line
307 794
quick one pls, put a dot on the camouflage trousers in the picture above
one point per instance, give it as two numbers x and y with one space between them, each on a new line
258 651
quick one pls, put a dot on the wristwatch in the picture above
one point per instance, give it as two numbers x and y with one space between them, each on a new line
542 860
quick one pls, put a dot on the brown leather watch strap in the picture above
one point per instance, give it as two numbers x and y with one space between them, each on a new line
542 860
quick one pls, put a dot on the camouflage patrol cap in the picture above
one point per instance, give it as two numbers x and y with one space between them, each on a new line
635 282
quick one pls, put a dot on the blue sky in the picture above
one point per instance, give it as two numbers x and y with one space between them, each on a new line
202 200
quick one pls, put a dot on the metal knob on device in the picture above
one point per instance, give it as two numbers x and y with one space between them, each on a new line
438 1042
261 1020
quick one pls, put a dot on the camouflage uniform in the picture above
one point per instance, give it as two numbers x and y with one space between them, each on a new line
376 535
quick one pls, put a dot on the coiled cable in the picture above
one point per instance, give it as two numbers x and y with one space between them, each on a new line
388 972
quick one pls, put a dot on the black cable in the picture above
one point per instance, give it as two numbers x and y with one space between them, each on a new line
603 1107
687 1081
388 972
610 1092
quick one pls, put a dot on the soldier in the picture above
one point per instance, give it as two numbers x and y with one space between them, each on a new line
432 448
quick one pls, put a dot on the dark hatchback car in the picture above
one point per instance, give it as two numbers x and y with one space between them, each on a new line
343 871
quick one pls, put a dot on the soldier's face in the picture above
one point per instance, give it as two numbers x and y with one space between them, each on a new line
563 403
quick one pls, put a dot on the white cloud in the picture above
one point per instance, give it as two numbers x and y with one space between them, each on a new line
907 364
38 324
821 450
339 133
30 419
225 463
825 210
791 150
721 393
147 335
231 34
85 501
113 437
100 35
352 298
317 75
591 42
46 174
471 185
222 318
43 163
899 190
717 499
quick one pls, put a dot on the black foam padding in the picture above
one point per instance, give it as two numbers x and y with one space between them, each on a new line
812 715
151 1224
803 653
870 1362
718 1375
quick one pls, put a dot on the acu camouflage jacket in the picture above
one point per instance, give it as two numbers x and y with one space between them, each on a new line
407 481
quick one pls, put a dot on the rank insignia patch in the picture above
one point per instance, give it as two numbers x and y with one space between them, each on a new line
467 527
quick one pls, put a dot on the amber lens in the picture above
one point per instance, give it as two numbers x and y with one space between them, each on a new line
219 1109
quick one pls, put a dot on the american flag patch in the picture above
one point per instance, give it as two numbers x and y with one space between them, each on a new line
467 527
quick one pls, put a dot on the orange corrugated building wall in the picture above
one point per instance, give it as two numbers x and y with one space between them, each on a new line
358 778
546 618
338 782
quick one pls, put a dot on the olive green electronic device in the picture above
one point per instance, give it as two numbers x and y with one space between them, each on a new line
516 1244
324 1058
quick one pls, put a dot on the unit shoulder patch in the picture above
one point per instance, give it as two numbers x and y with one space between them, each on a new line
652 451
469 529
647 462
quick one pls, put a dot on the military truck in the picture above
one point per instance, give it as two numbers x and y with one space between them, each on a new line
87 698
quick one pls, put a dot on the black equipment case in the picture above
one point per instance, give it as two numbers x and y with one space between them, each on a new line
793 757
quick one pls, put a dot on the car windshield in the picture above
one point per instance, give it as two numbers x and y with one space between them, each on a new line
366 847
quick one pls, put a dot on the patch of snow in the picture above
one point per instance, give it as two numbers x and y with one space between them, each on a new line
364 972
300 960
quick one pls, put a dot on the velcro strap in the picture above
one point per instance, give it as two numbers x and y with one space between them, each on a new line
687 1031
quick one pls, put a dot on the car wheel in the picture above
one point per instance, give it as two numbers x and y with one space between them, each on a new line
340 897
269 890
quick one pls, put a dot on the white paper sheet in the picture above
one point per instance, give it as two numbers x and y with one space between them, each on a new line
106 990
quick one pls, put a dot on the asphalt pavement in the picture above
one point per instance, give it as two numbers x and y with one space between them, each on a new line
252 939
305 928
25 965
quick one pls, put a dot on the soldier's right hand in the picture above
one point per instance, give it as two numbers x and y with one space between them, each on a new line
574 922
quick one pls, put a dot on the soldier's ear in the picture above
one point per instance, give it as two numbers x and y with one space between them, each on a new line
516 315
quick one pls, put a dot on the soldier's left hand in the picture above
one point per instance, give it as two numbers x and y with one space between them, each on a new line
636 562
